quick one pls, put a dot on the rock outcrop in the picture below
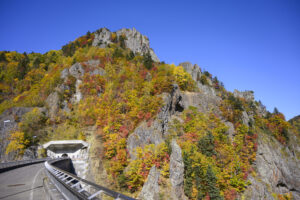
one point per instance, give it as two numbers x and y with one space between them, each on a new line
176 172
52 103
76 71
30 153
150 190
134 40
278 171
193 70
102 38
154 134
247 95
204 103
206 99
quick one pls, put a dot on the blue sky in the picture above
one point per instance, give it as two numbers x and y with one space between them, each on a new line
247 44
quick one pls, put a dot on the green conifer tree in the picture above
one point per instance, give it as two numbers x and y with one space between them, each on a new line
188 171
211 180
206 145
200 182
148 62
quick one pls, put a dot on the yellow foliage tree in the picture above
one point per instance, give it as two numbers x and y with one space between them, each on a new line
18 143
183 79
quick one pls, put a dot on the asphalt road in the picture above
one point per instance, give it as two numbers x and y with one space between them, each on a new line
23 183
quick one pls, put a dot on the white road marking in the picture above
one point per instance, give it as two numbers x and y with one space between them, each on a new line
33 183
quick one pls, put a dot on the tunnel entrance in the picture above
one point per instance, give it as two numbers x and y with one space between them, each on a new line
65 155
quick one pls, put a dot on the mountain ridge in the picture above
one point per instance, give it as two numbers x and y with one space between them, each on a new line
151 125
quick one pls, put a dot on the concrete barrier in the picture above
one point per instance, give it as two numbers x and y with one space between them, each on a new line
16 164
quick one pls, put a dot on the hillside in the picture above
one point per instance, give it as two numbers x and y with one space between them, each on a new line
295 122
157 131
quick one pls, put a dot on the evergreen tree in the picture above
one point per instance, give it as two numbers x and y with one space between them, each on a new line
36 62
206 145
211 180
122 39
22 66
117 53
88 34
200 182
275 112
188 171
2 56
148 62
130 56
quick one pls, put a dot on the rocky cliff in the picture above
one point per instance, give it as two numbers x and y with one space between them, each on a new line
132 39
156 131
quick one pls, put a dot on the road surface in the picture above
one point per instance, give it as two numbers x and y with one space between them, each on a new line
23 183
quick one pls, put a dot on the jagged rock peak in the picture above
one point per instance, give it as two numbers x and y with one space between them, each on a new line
134 40
193 70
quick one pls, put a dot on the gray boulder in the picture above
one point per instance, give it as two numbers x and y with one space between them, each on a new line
150 190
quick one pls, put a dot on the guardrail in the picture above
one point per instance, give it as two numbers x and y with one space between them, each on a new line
76 188
16 164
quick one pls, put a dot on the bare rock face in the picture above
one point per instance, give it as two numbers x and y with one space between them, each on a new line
78 95
204 102
30 153
96 70
230 131
175 100
176 172
154 134
278 171
102 38
76 70
261 109
64 73
247 95
144 135
134 40
245 118
207 93
150 190
193 70
52 103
